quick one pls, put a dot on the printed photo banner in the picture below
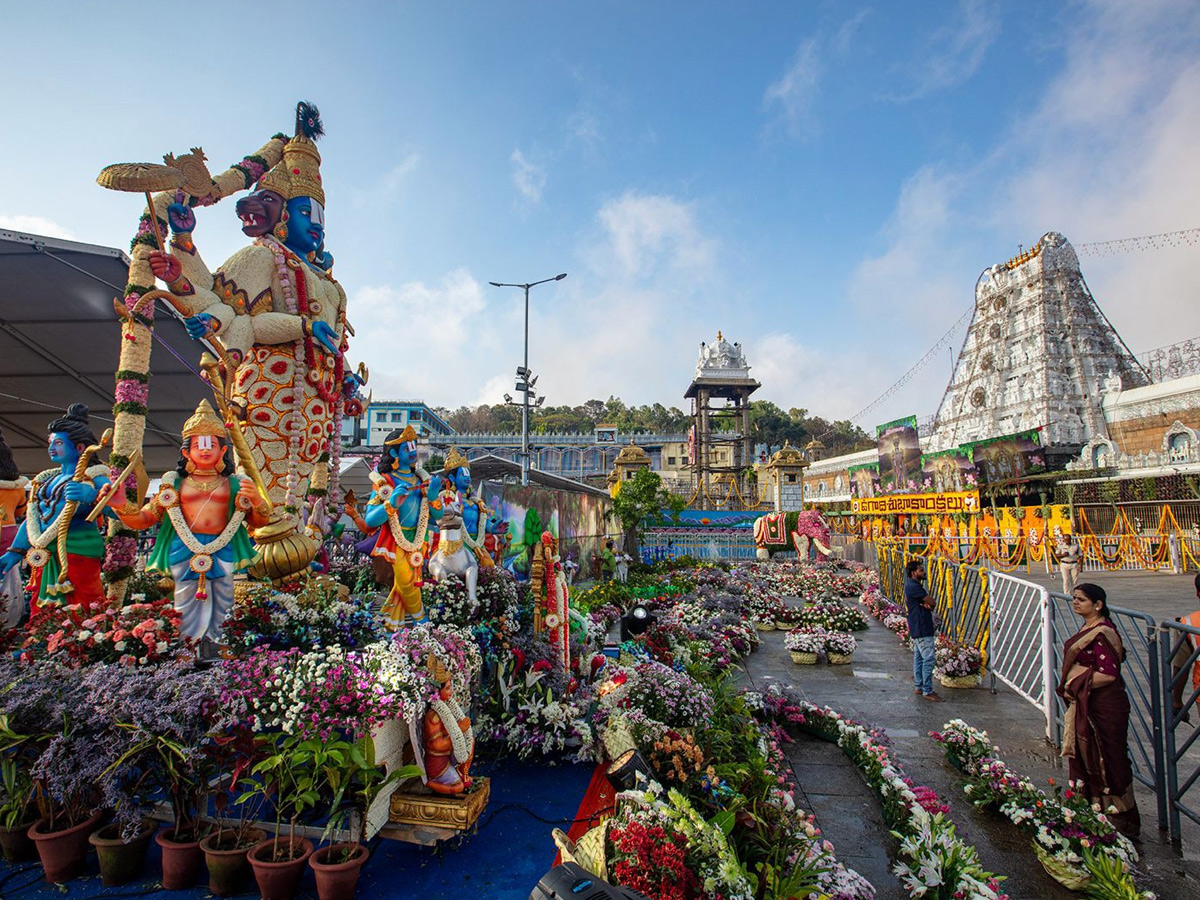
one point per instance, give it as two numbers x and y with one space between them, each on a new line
917 504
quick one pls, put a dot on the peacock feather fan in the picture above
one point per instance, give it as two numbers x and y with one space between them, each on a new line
308 121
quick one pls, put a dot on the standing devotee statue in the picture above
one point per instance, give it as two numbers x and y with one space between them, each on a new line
63 549
400 504
283 317
202 511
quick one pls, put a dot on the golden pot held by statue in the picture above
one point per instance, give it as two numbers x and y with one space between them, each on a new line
283 550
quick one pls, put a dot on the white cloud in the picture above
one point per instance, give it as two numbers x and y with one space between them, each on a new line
419 341
529 178
794 374
955 51
36 225
649 234
790 98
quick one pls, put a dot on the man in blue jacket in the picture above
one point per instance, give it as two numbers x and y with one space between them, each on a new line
920 629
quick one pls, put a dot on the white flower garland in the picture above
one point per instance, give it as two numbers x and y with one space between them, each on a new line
450 713
217 544
396 528
39 539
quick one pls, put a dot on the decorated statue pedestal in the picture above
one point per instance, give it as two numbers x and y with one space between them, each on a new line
428 818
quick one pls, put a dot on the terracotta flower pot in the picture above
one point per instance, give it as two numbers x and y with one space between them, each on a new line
338 880
228 866
280 880
181 860
63 853
120 862
16 844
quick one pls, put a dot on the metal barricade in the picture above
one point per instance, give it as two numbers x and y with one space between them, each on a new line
1021 648
1179 653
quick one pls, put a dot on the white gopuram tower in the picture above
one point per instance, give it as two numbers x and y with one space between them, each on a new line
1039 354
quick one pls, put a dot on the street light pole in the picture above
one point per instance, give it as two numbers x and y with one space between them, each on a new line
525 384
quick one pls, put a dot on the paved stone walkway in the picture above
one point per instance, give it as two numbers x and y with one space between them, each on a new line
877 688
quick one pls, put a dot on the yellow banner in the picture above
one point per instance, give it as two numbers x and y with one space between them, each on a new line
917 504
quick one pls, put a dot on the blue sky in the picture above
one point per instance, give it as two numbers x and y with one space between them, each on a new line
823 181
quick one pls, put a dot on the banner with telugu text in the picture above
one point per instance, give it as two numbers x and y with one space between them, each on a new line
916 504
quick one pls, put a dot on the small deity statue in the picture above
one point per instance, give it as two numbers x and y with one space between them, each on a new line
281 315
497 540
551 610
448 741
202 510
452 556
381 568
474 511
62 547
400 503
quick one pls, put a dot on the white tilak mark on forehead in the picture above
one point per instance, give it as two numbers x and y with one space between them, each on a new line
318 214
205 442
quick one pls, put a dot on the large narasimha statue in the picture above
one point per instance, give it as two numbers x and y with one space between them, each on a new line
280 314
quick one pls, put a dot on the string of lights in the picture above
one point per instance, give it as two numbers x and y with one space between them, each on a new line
1187 238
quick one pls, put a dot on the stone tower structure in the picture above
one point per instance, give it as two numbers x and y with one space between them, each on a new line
720 394
1039 354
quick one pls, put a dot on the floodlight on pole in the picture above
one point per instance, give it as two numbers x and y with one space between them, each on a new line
525 387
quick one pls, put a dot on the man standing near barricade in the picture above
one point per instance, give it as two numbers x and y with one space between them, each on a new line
1068 562
921 629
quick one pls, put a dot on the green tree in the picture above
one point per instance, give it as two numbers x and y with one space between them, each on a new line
643 497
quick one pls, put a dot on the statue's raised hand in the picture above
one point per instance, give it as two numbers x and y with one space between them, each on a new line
322 331
181 216
165 266
79 492
8 560
201 326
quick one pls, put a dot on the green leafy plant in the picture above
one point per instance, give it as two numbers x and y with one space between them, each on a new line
17 787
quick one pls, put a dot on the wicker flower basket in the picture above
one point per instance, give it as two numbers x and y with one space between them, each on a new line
803 659
783 626
839 659
959 681
765 626
1070 877
588 851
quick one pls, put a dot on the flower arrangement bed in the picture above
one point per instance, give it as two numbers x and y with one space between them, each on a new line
957 665
1073 839
931 860
805 644
832 615
839 647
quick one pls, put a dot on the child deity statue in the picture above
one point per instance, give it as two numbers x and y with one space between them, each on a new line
448 742
202 510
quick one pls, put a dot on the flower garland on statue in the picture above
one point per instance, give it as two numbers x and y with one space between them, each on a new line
40 539
451 714
202 554
295 294
397 530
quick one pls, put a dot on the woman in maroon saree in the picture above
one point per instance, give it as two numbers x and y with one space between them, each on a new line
1096 729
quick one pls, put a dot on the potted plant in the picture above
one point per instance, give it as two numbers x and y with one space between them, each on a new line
804 644
16 810
291 775
231 756
353 773
839 647
65 779
957 665
121 850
